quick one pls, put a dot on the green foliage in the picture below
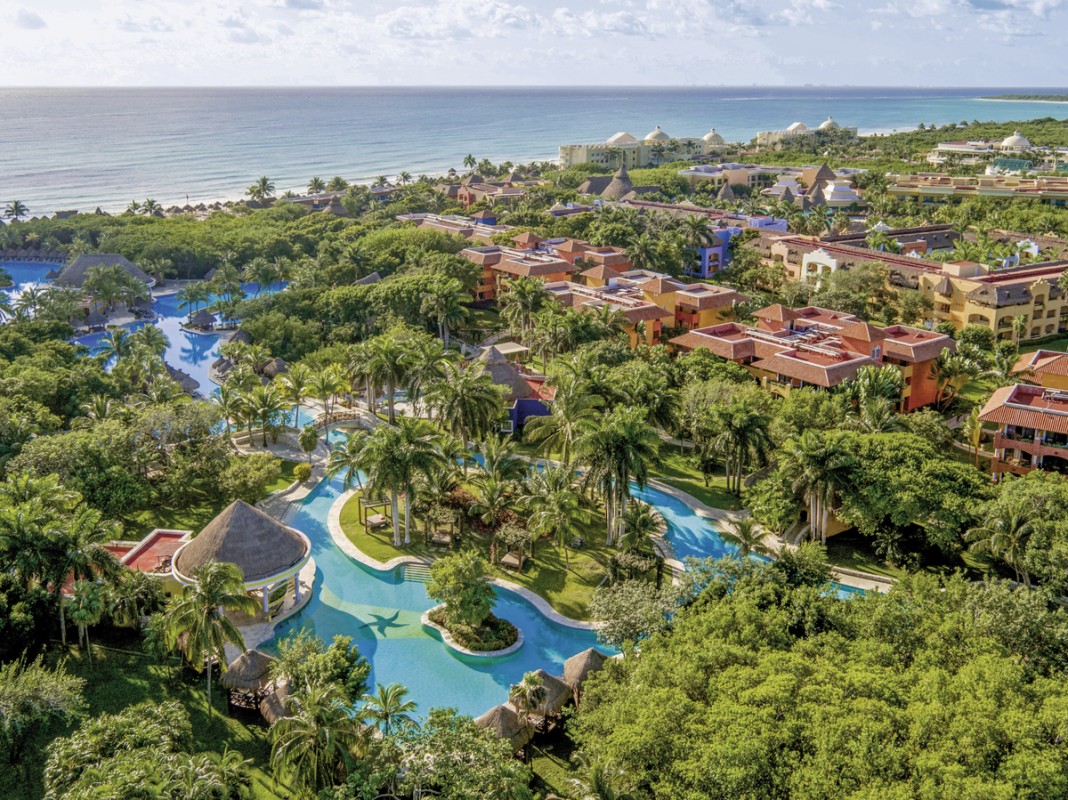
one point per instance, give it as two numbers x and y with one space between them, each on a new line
247 477
762 690
459 582
307 661
631 611
302 472
25 617
33 698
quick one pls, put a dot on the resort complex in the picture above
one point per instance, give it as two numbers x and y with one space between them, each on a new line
500 483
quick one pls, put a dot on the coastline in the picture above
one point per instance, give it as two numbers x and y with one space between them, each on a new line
1020 100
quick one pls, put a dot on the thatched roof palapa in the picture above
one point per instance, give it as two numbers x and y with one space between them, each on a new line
78 270
250 672
504 373
261 546
274 367
557 693
202 319
506 724
580 665
273 706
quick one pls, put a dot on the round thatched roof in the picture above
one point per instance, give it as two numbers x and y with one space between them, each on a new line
557 693
273 706
503 373
581 665
250 672
202 318
262 547
507 724
274 367
618 186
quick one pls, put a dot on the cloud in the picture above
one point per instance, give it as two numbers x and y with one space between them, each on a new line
595 23
29 20
304 5
153 25
456 20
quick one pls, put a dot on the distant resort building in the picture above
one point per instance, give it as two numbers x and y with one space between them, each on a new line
481 226
791 348
962 292
1012 155
476 189
615 187
627 151
936 187
807 187
1032 429
800 131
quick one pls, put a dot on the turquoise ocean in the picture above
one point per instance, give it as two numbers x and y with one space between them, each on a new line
83 148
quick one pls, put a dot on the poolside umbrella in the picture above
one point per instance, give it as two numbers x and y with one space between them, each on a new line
579 666
273 706
557 693
250 672
506 724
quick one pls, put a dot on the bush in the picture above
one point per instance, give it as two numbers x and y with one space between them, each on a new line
493 634
247 477
302 472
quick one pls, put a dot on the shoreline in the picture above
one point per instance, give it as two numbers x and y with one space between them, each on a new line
1021 100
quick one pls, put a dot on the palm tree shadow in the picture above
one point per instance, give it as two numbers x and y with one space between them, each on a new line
382 623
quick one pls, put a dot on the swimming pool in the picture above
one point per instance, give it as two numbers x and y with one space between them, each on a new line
381 611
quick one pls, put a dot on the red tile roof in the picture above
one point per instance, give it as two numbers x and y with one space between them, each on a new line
1027 407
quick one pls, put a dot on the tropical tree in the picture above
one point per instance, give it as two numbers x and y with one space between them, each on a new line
553 505
1004 532
446 305
388 709
744 535
529 694
494 497
337 184
261 189
818 466
466 400
134 595
327 383
347 459
876 415
521 299
315 743
266 404
16 210
316 186
573 412
972 430
393 459
597 782
621 449
295 384
78 549
640 524
741 438
386 365
197 621
86 607
32 697
950 372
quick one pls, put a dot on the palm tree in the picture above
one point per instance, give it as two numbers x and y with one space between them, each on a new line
78 549
572 413
819 468
523 297
404 178
744 535
16 210
261 189
741 439
386 365
643 253
499 459
295 384
150 207
326 384
950 371
876 415
388 710
597 783
347 459
393 458
467 401
621 449
134 595
1019 326
528 695
494 497
198 621
640 524
470 161
316 186
1004 533
151 339
86 607
314 743
424 364
265 403
337 184
446 306
972 430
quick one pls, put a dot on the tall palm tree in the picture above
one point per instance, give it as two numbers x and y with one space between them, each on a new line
316 186
554 506
388 710
78 549
742 440
643 253
314 744
573 411
1004 533
393 459
347 460
327 383
261 189
950 372
744 535
972 429
493 498
446 305
521 299
387 366
197 621
295 384
423 365
819 468
466 401
876 415
499 459
151 339
16 210
597 783
640 524
86 607
266 403
528 695
621 449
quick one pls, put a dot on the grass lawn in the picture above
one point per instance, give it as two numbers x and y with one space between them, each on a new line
678 468
977 390
1060 343
121 677
552 765
567 587
190 517
852 551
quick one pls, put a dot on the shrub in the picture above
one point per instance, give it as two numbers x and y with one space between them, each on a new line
302 472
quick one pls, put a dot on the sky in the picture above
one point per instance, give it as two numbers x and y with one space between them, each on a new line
532 42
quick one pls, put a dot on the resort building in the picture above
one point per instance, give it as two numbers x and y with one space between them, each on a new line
624 150
807 187
476 189
962 292
790 348
479 227
935 187
1032 429
615 187
1013 154
525 393
800 131
1048 368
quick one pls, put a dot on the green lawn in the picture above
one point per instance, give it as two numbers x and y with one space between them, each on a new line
567 587
678 468
852 551
1060 343
120 677
285 479
552 764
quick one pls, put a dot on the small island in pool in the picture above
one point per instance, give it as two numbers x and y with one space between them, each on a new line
458 582
1043 98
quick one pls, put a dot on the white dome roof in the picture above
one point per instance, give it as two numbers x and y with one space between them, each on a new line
798 126
1016 140
829 125
656 135
713 138
621 138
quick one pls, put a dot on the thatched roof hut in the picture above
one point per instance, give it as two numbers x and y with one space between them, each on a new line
202 319
250 672
75 273
618 186
94 319
367 280
506 724
504 373
334 207
557 693
579 666
188 383
274 367
273 706
265 550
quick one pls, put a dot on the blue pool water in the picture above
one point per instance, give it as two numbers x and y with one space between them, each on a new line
381 612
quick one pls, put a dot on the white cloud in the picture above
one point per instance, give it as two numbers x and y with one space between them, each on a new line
152 25
29 20
462 19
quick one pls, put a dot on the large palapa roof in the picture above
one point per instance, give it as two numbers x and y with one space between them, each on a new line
261 546
75 273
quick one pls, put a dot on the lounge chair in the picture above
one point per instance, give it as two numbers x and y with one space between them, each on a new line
375 521
513 560
442 539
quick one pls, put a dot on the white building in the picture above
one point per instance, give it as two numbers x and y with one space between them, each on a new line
624 150
800 130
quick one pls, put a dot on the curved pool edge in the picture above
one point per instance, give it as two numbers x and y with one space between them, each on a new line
333 524
450 642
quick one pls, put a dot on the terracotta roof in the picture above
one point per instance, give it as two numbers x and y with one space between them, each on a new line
645 313
533 268
527 238
826 375
702 296
601 272
777 313
1043 362
1024 406
862 332
658 286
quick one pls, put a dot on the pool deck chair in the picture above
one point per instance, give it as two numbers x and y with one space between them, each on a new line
375 520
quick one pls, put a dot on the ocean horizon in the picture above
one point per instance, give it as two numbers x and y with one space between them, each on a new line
80 148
